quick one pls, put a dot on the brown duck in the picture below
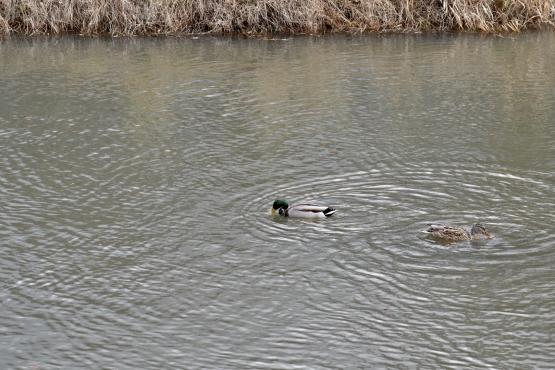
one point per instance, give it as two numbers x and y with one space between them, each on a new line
456 233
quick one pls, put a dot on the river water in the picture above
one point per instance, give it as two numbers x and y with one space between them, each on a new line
137 176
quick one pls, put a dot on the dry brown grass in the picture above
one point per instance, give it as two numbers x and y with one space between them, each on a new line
255 17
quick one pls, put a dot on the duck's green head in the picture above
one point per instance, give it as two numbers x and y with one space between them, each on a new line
279 203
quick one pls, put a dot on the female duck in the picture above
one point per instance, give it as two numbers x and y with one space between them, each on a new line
456 233
301 210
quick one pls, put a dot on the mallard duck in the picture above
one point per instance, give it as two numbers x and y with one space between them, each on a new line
301 210
456 233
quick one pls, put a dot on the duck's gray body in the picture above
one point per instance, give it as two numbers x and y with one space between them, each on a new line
302 210
307 211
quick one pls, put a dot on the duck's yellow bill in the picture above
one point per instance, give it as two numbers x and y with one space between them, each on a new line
272 210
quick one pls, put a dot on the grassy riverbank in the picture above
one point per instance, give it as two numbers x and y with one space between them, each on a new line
175 17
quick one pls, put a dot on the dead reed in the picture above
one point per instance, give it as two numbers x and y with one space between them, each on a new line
256 17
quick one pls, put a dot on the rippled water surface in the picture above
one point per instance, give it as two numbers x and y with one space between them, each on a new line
137 175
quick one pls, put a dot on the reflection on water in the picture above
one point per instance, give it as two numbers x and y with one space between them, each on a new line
137 176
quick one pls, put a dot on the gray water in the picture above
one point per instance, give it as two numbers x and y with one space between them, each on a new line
137 176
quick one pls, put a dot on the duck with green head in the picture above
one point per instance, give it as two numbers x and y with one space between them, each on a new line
301 210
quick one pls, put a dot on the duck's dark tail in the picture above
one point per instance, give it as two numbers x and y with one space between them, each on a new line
329 211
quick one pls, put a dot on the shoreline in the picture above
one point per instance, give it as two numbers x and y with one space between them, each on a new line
267 17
